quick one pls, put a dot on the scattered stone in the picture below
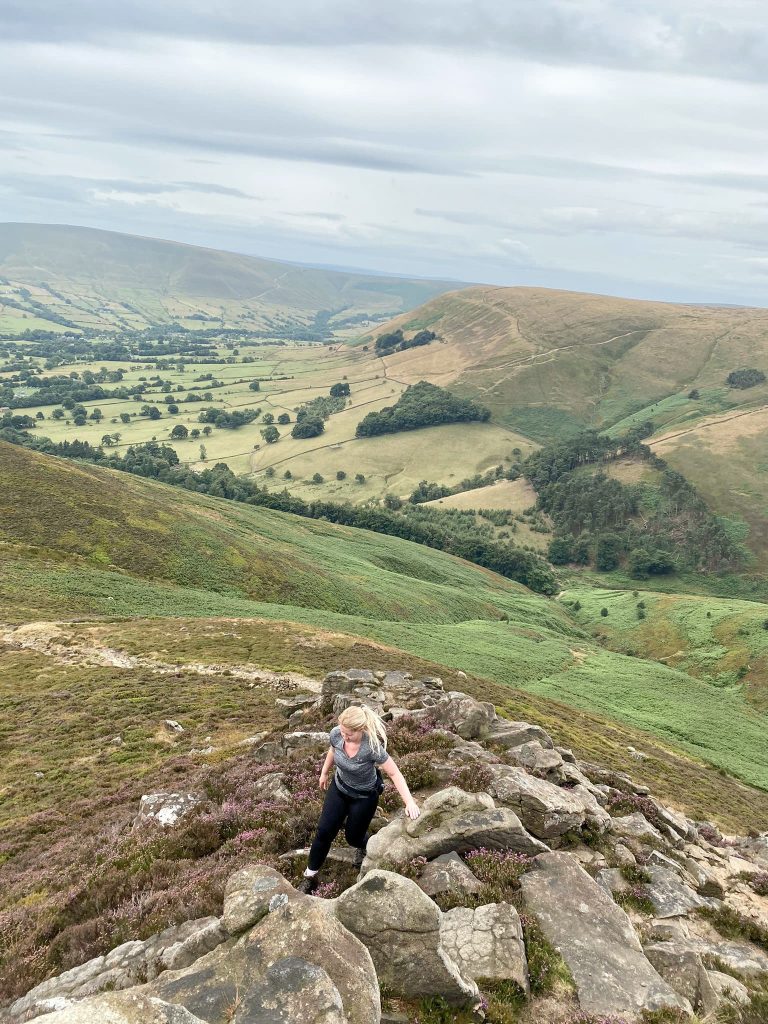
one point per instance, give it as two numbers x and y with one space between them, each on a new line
448 873
271 787
486 942
624 856
173 726
297 702
596 940
400 925
166 808
269 752
305 741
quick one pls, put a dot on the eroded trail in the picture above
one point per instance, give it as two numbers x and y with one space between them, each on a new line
57 640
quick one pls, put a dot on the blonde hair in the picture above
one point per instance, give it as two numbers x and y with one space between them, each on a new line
359 716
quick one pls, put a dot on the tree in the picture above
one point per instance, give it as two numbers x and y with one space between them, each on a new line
560 551
287 475
359 478
283 418
270 434
255 385
179 432
194 433
269 472
203 453
317 479
58 414
608 552
391 501
207 431
125 417
693 394
154 413
747 378
79 421
97 415
604 612
268 418
309 426
339 390
341 475
40 416
173 409
107 441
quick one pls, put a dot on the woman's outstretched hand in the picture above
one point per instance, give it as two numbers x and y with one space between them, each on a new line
323 780
412 809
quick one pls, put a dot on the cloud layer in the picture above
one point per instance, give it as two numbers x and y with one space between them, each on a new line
598 144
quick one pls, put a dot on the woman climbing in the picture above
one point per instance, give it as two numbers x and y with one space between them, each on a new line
358 747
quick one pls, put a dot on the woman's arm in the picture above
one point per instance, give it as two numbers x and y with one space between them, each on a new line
325 770
390 768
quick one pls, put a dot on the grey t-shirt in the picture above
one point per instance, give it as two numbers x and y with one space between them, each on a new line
358 772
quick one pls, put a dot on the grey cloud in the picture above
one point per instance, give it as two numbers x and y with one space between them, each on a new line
705 37
53 186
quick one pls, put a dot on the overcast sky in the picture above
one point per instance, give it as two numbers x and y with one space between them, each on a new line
602 145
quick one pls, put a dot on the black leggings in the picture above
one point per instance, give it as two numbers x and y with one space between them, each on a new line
337 806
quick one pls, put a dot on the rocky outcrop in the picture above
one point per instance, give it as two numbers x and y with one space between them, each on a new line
596 940
279 957
486 942
122 1008
451 820
123 967
400 925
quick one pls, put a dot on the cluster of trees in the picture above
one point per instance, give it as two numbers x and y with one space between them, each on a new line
311 417
421 405
65 391
424 526
229 419
649 529
747 378
395 341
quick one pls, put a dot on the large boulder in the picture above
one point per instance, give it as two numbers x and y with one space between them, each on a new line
470 718
596 940
400 925
636 826
345 682
302 927
166 808
122 1008
536 758
248 894
272 787
546 810
451 820
486 942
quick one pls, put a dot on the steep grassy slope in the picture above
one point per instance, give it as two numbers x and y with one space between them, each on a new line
82 541
550 361
101 278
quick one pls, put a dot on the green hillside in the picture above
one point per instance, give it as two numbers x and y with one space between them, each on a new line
54 275
82 542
